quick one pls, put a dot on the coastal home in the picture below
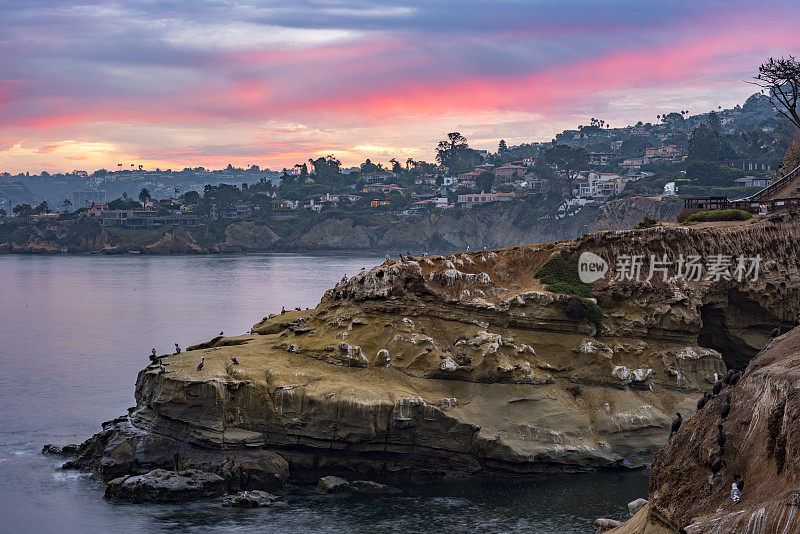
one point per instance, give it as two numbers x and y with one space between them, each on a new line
39 217
471 199
635 163
279 204
145 219
666 151
95 210
382 188
752 181
600 158
376 203
748 165
241 211
508 172
471 175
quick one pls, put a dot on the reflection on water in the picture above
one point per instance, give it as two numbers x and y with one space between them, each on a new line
76 330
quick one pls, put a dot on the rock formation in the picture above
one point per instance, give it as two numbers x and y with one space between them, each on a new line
464 366
763 447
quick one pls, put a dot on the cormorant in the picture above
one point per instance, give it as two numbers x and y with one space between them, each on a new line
222 333
402 258
735 378
739 482
703 400
721 439
726 408
716 466
776 332
283 310
161 369
297 308
234 360
200 365
717 387
728 376
676 423
177 349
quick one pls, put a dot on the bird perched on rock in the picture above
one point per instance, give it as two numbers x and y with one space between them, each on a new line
726 408
403 258
161 369
728 375
283 310
703 400
676 424
721 439
222 333
776 332
344 279
735 378
717 387
716 466
177 349
234 360
736 493
200 365
739 481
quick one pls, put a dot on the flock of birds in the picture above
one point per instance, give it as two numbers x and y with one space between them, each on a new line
730 379
155 359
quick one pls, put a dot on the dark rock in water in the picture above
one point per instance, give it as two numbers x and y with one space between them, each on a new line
121 449
604 525
369 487
249 499
160 485
66 450
332 484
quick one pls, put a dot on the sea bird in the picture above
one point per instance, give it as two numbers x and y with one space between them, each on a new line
283 310
200 365
161 369
735 378
234 360
717 387
776 332
716 466
721 439
222 333
177 349
676 424
402 258
739 482
703 400
726 408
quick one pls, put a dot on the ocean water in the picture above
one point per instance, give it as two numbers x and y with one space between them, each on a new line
75 330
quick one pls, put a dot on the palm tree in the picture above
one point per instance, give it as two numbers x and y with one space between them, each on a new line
144 196
409 163
67 204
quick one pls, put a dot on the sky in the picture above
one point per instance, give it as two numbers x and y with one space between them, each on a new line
177 83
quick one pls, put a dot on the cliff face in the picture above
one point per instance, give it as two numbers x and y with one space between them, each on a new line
466 366
626 213
762 447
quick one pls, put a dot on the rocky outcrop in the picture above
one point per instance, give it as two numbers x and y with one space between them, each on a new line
466 366
166 486
249 499
762 447
626 213
248 237
177 240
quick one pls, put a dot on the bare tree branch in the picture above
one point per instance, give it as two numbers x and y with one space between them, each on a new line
781 79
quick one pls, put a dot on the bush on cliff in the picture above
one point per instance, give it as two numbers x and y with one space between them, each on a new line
647 222
718 215
560 275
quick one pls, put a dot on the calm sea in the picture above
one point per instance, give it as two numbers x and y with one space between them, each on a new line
74 331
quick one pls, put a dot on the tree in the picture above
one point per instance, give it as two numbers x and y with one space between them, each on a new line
704 144
67 204
781 79
22 210
42 208
567 159
396 167
144 196
713 121
455 154
502 146
484 181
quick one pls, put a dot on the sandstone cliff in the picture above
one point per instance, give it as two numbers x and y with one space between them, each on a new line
626 213
762 447
466 366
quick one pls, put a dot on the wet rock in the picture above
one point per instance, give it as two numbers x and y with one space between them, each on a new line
635 506
369 487
160 485
58 450
333 484
603 524
249 499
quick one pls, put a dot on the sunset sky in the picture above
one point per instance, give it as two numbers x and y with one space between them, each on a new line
182 83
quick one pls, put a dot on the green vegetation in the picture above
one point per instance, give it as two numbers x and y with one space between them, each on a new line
718 215
647 223
560 275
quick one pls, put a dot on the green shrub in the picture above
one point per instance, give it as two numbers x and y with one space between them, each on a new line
718 215
647 223
562 274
